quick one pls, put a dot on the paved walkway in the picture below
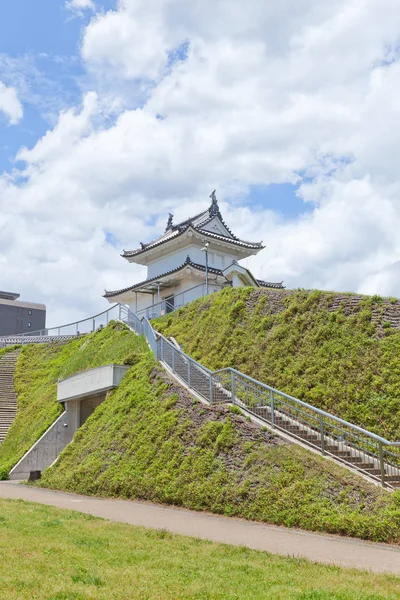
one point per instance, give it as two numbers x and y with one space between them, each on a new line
380 558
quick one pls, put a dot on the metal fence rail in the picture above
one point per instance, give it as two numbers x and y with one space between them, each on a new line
362 450
63 332
166 306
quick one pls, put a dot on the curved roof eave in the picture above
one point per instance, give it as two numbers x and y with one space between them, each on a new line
235 242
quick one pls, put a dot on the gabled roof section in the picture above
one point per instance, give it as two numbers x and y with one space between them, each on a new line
199 223
139 285
249 277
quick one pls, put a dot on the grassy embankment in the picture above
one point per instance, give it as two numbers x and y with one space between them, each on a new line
52 554
338 352
38 369
151 440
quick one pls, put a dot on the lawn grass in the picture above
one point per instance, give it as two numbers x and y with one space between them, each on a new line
339 354
52 554
38 369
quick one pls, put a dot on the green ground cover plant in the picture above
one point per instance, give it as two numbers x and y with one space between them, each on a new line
150 440
337 352
4 351
53 554
38 369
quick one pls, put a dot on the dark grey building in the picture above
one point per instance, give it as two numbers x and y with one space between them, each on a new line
20 317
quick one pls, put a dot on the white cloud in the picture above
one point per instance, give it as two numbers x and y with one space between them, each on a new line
260 93
10 105
132 41
79 5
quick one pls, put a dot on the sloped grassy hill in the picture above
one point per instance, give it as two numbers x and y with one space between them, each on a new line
150 440
38 369
340 352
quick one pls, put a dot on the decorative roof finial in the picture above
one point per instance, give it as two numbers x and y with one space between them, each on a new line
169 222
214 208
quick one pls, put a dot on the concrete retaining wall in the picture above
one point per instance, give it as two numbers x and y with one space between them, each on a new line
82 394
91 382
46 450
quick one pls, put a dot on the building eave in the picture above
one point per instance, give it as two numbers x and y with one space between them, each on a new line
268 284
148 286
141 255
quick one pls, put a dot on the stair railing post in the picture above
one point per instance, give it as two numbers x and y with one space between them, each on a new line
189 373
233 387
211 388
381 464
161 349
173 360
322 430
119 313
272 405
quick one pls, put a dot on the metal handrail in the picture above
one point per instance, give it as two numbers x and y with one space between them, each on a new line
272 389
63 332
39 332
310 406
163 303
362 450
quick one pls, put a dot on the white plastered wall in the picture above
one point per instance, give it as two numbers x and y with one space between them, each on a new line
217 258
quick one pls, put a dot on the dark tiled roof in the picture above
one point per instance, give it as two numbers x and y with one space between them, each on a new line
187 262
268 284
203 218
198 223
165 238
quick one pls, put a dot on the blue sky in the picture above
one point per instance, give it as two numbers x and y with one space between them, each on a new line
282 198
38 43
40 56
40 49
246 101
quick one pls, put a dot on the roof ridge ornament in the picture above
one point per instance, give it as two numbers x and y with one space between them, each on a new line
170 221
214 208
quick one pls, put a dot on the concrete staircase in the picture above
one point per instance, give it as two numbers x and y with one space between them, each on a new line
8 397
358 460
346 446
197 375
